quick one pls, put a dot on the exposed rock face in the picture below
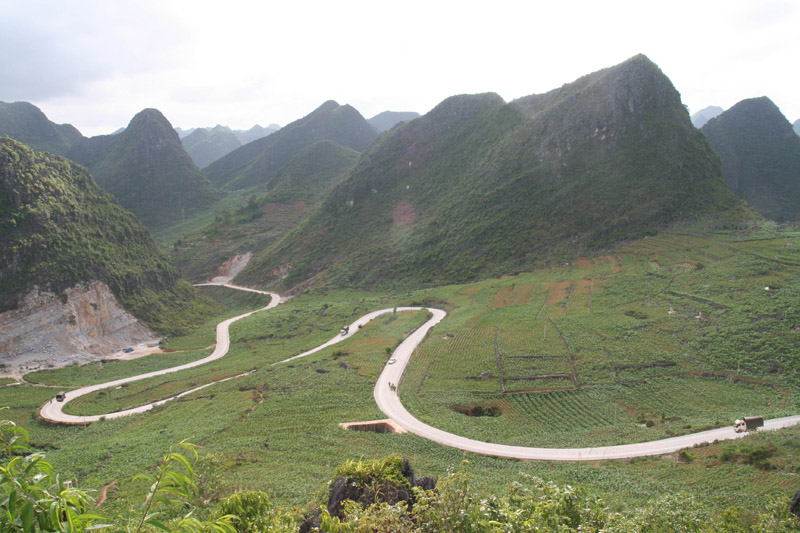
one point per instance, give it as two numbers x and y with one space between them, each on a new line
82 324
228 270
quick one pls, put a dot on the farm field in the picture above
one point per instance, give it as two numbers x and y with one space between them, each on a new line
575 355
672 334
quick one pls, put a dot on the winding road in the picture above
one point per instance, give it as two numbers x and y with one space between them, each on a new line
52 411
386 394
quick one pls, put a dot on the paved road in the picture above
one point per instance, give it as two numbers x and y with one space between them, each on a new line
386 395
52 411
388 401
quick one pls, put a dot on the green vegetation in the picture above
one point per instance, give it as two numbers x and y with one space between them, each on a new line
146 168
641 373
35 498
57 229
760 156
259 162
479 187
259 221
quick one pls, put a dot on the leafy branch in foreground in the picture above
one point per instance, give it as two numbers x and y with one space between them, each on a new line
33 497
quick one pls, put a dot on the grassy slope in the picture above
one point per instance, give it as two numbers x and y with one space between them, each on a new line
276 429
57 228
262 220
479 187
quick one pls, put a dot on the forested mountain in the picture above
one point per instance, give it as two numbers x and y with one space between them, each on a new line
27 124
479 186
700 118
259 162
146 168
58 229
387 120
760 156
205 146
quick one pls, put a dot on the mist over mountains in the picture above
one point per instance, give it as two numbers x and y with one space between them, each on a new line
700 118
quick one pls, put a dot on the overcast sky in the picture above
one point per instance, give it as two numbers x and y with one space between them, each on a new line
96 63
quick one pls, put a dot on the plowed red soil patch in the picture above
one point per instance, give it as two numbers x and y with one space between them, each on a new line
558 295
515 295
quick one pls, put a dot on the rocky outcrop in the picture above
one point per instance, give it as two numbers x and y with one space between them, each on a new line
372 488
81 324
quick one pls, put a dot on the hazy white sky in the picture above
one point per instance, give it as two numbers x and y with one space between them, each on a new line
96 63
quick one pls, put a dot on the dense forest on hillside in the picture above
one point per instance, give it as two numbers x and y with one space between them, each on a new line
57 228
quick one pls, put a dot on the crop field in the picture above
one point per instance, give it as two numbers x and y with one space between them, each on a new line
668 335
657 340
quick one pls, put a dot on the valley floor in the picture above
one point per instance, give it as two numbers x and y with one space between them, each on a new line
664 337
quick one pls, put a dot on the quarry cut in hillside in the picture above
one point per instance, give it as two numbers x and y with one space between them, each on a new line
82 324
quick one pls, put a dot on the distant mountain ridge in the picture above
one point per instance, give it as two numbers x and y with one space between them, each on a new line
479 187
146 168
27 124
388 119
760 156
205 146
700 118
260 161
796 126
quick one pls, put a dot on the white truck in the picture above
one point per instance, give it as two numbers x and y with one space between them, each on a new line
748 423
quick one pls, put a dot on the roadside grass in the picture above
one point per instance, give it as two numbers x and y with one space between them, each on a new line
112 369
277 428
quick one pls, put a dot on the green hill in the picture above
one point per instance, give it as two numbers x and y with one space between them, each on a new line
57 228
146 168
261 221
478 186
259 162
205 146
760 156
27 124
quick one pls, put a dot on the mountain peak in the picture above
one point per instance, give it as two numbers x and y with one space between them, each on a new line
478 186
27 124
760 156
147 169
